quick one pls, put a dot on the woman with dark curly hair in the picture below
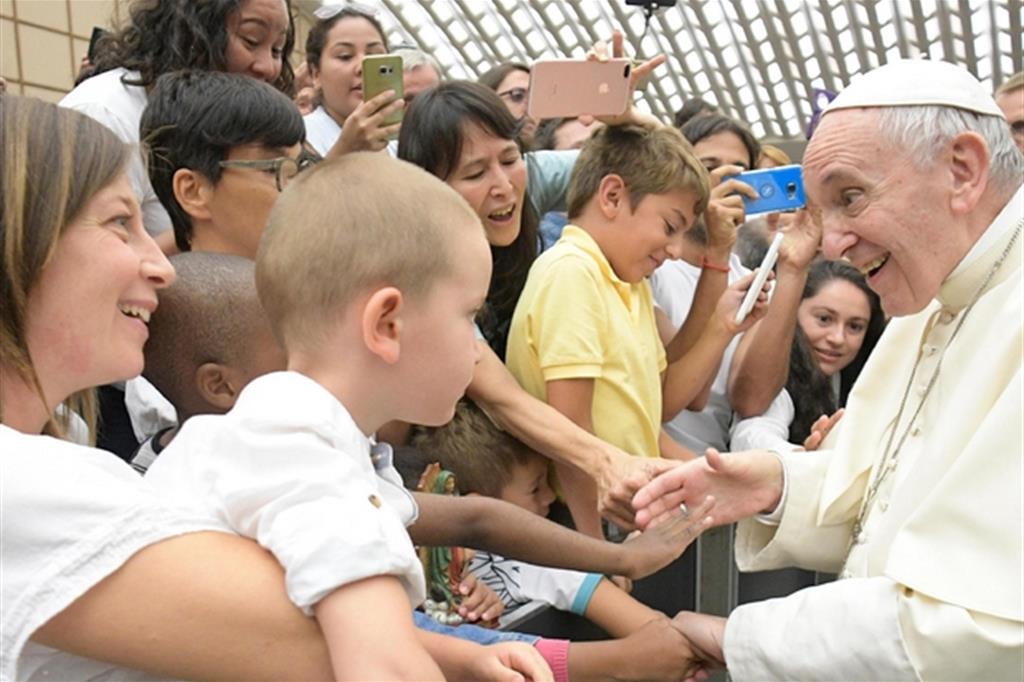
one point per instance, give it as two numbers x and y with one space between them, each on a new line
253 37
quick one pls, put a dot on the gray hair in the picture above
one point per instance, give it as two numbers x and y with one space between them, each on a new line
925 130
413 58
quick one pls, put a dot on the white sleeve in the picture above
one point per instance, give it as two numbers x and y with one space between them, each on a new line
769 431
517 582
317 509
869 629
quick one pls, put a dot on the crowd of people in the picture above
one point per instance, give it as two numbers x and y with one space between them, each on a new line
291 391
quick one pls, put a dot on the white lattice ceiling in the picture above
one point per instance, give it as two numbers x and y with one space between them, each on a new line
758 60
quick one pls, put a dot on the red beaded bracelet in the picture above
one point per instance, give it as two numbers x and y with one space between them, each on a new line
705 263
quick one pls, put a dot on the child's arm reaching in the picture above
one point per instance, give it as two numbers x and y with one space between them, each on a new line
492 525
575 398
370 634
616 612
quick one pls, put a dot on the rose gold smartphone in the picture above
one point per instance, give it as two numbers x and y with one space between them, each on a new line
572 87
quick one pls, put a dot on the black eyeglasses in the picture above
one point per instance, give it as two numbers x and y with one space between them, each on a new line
284 167
515 95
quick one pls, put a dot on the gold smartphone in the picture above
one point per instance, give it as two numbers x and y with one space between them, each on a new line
383 72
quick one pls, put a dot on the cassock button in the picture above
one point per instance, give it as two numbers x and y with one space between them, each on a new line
946 316
930 350
375 501
862 537
883 505
916 431
922 389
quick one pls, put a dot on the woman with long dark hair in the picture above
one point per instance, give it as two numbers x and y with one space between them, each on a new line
839 321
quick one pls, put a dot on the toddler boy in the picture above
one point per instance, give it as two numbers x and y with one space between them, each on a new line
390 283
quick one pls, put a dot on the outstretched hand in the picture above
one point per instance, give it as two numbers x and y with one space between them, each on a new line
619 479
742 483
802 241
657 547
821 428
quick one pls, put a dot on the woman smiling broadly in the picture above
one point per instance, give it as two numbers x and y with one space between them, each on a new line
252 37
839 320
98 575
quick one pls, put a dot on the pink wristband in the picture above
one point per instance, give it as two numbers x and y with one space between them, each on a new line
556 653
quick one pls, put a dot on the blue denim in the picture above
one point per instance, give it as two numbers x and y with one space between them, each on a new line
473 633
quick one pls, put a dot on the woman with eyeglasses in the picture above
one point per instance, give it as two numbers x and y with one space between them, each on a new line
251 37
511 81
337 44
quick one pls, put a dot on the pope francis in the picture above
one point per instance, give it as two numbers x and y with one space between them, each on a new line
915 498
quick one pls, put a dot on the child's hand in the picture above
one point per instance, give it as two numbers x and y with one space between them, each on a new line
509 662
731 300
657 547
479 602
622 582
364 129
820 429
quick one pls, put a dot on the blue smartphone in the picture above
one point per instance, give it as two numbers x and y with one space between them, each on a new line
778 189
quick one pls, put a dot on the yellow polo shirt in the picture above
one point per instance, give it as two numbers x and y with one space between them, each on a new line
577 320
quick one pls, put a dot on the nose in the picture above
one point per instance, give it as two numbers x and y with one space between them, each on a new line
675 248
154 265
836 335
502 183
835 241
265 66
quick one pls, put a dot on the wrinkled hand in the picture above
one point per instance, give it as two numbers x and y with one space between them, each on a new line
480 604
619 479
802 241
509 662
364 129
821 428
657 547
742 483
705 634
732 298
600 53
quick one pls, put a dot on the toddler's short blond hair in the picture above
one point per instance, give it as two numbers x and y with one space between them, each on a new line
364 220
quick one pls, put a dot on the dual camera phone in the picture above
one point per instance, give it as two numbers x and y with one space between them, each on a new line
383 72
778 189
566 88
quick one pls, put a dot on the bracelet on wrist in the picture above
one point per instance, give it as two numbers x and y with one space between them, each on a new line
705 263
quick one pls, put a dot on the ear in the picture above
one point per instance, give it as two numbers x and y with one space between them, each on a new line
192 189
314 76
612 197
218 385
969 166
382 323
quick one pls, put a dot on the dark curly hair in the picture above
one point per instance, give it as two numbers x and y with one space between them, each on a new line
167 35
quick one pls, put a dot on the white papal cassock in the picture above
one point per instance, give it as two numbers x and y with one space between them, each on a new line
933 587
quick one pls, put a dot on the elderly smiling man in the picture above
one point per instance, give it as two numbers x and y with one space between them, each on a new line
916 498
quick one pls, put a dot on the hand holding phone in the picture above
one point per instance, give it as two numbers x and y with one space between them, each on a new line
778 189
568 88
382 72
763 272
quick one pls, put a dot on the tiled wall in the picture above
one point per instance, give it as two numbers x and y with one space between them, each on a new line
42 42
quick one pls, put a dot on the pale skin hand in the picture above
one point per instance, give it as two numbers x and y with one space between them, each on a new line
479 602
705 633
364 129
725 211
461 659
821 428
742 483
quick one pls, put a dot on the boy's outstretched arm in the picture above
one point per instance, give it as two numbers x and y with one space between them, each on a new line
616 612
370 633
492 525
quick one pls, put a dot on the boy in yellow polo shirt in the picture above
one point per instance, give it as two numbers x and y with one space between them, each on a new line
584 336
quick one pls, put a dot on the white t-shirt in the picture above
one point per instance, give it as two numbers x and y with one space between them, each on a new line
518 583
769 431
288 467
322 131
119 107
69 517
674 285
